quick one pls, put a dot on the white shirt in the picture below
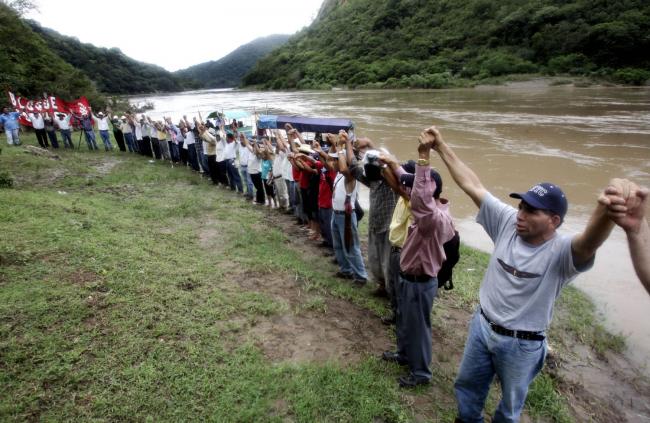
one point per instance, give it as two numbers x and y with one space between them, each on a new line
64 123
138 130
338 197
230 151
189 139
37 121
244 154
254 164
287 168
221 150
278 160
102 123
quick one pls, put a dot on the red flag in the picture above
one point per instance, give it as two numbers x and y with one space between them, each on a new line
47 104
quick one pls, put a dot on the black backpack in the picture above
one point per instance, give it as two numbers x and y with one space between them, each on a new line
452 251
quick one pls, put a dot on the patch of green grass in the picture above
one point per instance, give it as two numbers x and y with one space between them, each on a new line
544 401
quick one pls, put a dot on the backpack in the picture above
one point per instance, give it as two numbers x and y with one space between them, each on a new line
452 252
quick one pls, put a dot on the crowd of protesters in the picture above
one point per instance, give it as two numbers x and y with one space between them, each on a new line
317 181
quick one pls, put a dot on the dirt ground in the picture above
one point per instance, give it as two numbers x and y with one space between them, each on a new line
321 328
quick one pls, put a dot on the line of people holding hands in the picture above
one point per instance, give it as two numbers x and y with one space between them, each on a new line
408 223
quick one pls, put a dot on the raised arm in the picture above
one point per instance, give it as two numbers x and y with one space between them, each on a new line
585 244
390 175
464 177
626 206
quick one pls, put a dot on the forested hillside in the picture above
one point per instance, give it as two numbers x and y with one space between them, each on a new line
437 43
111 70
229 70
29 68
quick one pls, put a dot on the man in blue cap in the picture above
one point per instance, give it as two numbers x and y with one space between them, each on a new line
529 266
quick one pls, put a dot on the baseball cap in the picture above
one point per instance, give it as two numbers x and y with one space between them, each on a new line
545 196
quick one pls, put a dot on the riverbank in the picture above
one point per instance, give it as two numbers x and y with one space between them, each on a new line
133 290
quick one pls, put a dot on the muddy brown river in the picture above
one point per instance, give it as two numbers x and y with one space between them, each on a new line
512 136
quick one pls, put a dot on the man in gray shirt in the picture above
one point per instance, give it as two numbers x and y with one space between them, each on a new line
530 265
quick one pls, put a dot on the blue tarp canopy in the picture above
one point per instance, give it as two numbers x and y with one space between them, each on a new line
304 124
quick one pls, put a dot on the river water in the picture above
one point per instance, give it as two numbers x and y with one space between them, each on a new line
512 136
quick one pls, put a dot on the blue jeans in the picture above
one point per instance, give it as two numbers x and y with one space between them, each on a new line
90 140
349 261
245 177
234 179
107 140
12 136
67 139
128 138
515 361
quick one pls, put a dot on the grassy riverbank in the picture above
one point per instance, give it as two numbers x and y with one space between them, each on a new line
131 290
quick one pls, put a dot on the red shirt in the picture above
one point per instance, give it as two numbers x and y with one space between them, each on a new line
325 189
295 172
306 175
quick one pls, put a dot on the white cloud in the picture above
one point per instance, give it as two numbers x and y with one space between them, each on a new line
174 35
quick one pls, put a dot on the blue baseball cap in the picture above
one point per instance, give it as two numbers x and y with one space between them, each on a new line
545 196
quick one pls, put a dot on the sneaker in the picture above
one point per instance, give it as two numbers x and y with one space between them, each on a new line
393 357
343 275
409 381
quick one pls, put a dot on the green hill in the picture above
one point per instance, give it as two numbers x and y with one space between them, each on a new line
229 70
29 68
437 43
111 70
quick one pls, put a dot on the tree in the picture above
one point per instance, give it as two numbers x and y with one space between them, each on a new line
22 7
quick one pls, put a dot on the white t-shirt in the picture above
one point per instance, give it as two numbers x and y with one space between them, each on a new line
64 123
244 154
338 197
102 123
37 121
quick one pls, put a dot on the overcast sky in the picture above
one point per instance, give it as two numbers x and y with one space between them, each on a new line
174 35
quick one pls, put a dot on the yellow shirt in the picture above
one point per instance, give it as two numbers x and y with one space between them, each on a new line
400 223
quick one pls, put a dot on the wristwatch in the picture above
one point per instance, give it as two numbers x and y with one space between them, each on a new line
423 162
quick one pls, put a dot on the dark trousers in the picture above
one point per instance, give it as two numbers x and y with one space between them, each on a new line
145 149
259 187
393 279
269 188
41 137
174 151
234 180
192 158
52 136
212 165
325 221
119 138
156 148
414 323
222 172
183 153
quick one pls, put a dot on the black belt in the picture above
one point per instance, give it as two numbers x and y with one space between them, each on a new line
339 211
415 278
520 334
394 249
